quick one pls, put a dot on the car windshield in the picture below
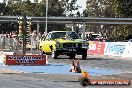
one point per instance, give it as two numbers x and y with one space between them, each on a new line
65 35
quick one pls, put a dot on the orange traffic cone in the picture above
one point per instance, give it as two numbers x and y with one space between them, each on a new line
78 69
72 66
84 74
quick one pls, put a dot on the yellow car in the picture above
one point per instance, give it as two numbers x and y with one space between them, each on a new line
64 43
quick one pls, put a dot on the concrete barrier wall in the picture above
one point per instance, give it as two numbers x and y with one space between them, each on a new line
123 49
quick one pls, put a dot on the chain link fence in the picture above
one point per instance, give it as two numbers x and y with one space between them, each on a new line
16 44
8 43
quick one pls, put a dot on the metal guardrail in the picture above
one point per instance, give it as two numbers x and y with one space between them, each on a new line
86 20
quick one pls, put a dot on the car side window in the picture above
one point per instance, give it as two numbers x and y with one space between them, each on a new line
48 36
53 36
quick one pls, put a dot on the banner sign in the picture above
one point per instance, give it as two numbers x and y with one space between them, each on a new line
128 50
25 60
123 49
115 48
96 47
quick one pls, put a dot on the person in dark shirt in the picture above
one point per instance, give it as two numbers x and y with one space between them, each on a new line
90 37
86 36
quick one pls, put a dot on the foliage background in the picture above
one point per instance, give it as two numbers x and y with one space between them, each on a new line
110 8
55 8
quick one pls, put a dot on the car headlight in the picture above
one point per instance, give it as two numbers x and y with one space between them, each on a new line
76 44
85 45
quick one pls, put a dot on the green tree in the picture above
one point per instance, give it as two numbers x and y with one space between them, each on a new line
122 8
5 10
111 8
69 7
55 8
97 8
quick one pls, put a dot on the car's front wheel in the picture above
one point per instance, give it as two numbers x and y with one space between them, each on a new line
54 54
84 55
72 56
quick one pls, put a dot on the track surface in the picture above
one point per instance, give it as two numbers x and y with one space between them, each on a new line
10 79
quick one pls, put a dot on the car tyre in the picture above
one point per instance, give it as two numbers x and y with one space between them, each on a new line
72 56
54 55
84 56
85 81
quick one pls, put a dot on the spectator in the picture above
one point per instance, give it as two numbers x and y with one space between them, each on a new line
90 37
34 38
106 35
86 36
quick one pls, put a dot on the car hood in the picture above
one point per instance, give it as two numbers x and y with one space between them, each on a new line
70 41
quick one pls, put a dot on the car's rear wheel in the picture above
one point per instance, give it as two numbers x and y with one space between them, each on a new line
54 54
72 56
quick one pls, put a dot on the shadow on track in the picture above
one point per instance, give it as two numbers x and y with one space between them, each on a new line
76 58
65 81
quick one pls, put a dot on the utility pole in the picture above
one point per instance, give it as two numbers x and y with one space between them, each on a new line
46 16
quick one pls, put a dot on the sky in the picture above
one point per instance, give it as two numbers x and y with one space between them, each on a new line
79 2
